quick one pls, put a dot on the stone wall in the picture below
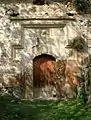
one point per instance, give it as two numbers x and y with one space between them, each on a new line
28 30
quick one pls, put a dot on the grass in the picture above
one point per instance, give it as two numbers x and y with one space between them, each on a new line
43 110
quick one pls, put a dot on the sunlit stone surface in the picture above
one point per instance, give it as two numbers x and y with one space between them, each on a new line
21 42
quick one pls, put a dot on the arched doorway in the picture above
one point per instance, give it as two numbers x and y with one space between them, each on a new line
43 70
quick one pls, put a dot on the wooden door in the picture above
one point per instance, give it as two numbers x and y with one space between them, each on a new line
43 70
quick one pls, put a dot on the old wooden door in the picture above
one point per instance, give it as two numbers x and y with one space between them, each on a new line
43 70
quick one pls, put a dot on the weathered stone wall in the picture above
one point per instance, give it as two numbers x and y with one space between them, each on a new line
34 31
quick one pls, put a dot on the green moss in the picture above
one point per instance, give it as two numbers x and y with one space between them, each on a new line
82 6
78 44
43 110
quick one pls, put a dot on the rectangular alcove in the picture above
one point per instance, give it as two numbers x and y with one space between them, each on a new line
40 36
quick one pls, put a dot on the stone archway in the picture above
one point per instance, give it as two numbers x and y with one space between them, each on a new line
43 70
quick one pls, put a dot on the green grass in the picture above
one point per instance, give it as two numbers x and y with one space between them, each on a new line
43 110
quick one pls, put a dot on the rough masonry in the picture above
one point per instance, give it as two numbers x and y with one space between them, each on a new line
27 31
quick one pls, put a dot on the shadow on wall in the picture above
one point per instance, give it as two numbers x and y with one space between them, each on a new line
39 2
65 78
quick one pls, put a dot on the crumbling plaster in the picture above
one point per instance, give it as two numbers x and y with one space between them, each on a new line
18 35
